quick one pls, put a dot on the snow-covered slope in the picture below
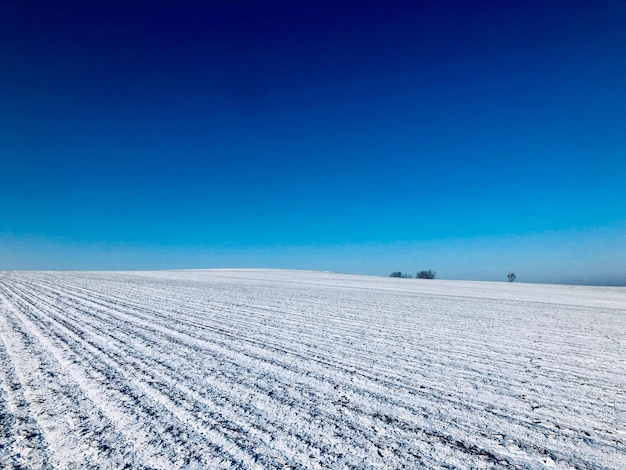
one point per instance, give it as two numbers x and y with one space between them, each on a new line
292 369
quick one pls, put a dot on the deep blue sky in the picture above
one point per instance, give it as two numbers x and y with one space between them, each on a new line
473 138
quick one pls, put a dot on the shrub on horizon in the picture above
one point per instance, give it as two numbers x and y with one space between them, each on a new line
430 274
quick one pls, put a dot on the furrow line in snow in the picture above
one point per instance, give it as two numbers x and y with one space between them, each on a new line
460 370
21 441
327 451
464 355
294 431
153 420
272 387
465 370
75 434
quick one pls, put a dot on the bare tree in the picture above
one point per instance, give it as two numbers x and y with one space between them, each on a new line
426 274
400 274
511 277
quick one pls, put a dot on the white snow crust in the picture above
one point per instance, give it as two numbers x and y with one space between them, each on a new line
264 369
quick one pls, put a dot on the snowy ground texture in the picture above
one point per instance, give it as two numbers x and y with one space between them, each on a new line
261 369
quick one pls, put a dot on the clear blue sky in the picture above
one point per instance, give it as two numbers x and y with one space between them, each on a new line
471 138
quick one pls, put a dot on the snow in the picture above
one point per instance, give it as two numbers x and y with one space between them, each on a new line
260 369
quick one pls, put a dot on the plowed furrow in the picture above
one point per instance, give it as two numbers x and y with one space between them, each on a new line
223 370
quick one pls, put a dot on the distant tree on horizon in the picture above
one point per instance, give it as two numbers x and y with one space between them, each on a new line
400 274
430 274
511 277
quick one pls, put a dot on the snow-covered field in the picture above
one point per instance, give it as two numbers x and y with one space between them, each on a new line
286 369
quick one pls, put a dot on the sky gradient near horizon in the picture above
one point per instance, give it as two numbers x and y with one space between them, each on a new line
475 137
